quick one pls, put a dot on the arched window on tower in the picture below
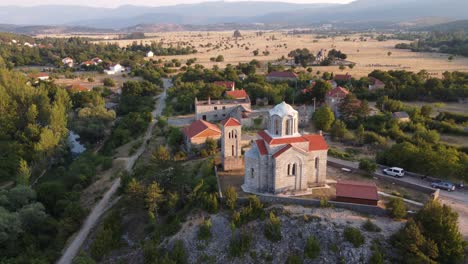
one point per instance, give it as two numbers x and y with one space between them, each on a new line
289 169
294 169
288 127
232 148
276 126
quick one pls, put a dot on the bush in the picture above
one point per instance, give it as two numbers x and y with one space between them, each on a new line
353 235
294 259
312 248
371 227
324 203
231 197
397 208
178 254
108 82
204 233
239 244
368 166
272 229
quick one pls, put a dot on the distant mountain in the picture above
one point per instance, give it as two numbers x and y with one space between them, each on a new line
459 25
360 14
372 10
128 15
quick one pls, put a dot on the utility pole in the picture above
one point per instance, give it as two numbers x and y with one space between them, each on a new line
314 104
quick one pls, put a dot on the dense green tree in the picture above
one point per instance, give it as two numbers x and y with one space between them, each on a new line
323 118
397 208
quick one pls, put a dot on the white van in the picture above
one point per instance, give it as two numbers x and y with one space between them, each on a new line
394 171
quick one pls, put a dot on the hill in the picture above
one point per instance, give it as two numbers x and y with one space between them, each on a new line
454 26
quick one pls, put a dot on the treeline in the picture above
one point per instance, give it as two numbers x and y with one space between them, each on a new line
33 123
409 86
446 42
50 51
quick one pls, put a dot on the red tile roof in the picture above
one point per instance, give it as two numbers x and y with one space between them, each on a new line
196 128
338 92
359 190
237 94
282 74
261 147
316 142
228 84
77 88
281 151
38 75
343 77
230 122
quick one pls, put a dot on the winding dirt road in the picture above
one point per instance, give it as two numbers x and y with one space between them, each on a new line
74 246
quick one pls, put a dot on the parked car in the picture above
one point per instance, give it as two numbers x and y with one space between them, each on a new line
448 186
394 171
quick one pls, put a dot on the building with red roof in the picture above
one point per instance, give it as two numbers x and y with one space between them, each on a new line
334 97
196 134
230 86
357 192
237 94
343 77
276 76
282 160
76 87
42 76
375 84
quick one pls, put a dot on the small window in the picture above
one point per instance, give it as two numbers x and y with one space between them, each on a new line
204 117
252 172
224 107
215 108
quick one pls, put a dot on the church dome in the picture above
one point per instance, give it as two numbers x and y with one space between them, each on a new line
283 110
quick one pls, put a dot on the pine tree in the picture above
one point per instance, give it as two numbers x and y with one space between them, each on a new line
24 173
154 195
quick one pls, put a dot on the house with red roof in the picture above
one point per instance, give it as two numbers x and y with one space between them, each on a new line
237 94
282 160
230 86
375 84
196 134
41 76
342 77
334 97
357 192
77 88
279 76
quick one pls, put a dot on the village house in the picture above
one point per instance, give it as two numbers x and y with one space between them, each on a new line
357 192
41 76
77 88
276 76
196 134
342 78
401 117
282 160
375 84
230 86
237 106
149 54
68 62
115 68
96 61
334 97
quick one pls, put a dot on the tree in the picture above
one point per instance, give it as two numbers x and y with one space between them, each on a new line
320 89
219 58
237 34
367 165
154 195
397 208
135 191
231 197
256 52
108 82
161 153
352 109
341 67
211 145
24 173
389 53
338 130
353 235
426 110
302 56
323 118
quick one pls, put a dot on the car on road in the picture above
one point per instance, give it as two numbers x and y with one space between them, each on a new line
448 186
394 171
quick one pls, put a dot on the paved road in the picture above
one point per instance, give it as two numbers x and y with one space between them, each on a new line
458 199
72 249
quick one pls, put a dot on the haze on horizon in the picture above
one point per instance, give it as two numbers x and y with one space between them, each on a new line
117 3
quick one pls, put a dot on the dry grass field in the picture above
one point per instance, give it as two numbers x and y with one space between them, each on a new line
368 55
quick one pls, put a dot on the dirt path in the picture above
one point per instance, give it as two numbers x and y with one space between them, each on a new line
72 249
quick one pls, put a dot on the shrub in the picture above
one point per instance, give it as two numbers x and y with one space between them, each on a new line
272 229
312 248
377 255
397 208
353 235
178 254
90 79
324 203
108 82
294 259
239 244
370 226
367 165
231 197
204 233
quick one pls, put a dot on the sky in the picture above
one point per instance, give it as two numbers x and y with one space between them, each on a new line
116 3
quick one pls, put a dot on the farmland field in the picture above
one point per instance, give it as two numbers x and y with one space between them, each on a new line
367 55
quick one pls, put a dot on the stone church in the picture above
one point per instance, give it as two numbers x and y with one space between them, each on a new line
231 152
282 160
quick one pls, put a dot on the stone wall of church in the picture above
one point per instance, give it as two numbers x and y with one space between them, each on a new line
317 176
283 181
